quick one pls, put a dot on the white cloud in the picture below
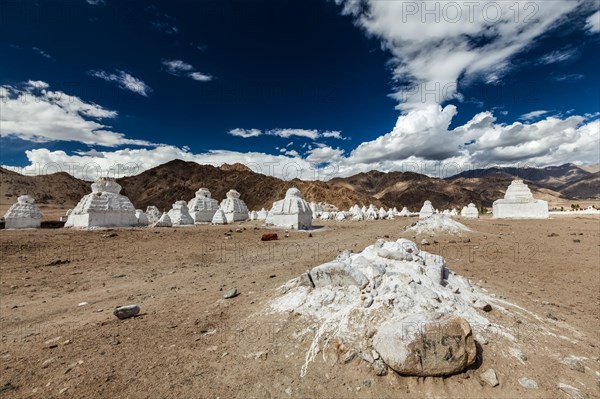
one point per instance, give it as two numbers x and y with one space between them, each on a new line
36 114
124 80
245 133
569 77
95 2
181 68
558 56
592 24
43 53
533 115
435 43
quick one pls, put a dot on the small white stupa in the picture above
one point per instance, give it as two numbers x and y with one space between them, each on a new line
142 218
404 212
470 212
518 202
253 215
235 209
202 207
292 211
219 217
316 209
427 210
179 214
371 213
153 214
104 207
163 221
262 214
24 214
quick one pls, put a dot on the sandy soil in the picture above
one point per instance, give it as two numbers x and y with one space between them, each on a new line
190 342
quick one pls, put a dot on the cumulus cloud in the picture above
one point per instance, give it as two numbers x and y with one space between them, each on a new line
312 134
533 115
592 24
435 43
181 68
34 113
123 80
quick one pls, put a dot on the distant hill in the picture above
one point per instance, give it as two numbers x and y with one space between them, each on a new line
163 185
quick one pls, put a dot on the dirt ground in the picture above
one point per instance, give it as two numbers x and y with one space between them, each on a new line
190 342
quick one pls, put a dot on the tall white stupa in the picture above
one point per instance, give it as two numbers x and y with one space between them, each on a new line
292 211
518 203
104 207
234 208
202 207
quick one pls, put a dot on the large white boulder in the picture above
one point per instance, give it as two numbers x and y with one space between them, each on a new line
104 207
202 207
24 214
518 203
292 211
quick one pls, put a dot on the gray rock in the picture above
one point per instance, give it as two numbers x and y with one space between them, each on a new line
127 311
232 293
424 241
483 305
572 391
337 274
348 356
489 376
574 363
422 346
528 383
47 362
380 368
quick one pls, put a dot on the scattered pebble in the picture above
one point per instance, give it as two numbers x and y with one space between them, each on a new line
232 293
127 311
572 391
489 376
528 383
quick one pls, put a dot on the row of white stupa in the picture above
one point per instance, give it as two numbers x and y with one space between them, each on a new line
105 207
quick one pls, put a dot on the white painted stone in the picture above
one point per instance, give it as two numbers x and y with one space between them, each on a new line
518 203
104 207
234 208
202 207
427 210
292 211
24 214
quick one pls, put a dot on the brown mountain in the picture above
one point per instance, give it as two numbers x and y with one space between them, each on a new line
585 187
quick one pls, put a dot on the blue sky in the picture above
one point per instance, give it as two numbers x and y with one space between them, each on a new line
312 84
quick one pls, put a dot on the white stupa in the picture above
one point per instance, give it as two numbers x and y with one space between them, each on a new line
518 202
340 216
202 207
104 207
316 209
24 214
453 212
153 214
292 211
262 214
142 218
391 214
179 214
253 215
470 212
404 212
235 209
219 217
163 221
371 213
427 210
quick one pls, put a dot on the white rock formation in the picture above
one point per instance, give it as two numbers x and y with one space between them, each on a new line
438 224
180 215
163 221
292 211
24 214
142 218
235 209
153 214
519 203
219 217
202 207
388 283
104 207
470 212
427 210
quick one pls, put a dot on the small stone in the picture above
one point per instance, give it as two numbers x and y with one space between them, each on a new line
232 293
479 304
466 240
367 383
126 311
288 390
63 390
572 391
380 368
83 304
577 240
348 356
47 363
528 383
269 237
424 241
489 376
574 363
375 354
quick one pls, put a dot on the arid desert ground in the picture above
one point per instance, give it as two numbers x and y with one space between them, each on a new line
60 339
